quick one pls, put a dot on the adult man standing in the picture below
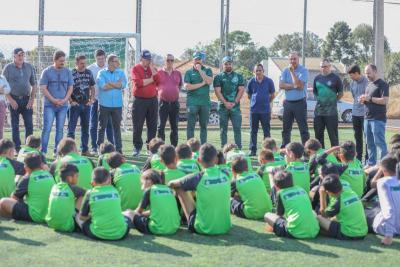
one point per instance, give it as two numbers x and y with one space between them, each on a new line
375 99
145 103
294 81
56 83
197 82
261 91
111 81
168 93
22 79
100 64
328 89
357 87
82 98
229 88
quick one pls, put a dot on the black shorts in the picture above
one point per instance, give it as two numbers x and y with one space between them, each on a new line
192 219
334 231
237 208
280 228
20 212
141 223
87 232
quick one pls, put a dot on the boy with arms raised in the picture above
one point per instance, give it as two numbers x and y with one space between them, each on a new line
186 163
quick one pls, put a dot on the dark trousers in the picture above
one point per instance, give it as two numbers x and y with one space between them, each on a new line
81 111
331 125
94 122
358 125
26 116
294 110
168 110
115 115
255 119
144 109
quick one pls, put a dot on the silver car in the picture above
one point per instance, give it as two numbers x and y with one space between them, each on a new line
344 108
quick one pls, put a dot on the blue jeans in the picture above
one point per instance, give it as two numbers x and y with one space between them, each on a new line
51 113
375 137
81 111
94 122
255 119
27 117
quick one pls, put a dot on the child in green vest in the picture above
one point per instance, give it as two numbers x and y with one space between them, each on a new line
296 166
11 170
126 179
35 188
267 163
231 151
210 215
32 145
294 215
249 196
68 153
194 144
158 211
105 149
101 215
345 207
270 143
186 163
65 200
221 163
169 159
154 160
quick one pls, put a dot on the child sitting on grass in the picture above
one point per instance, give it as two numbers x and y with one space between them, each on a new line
312 149
221 163
169 159
231 151
154 160
194 144
296 166
32 145
186 163
105 150
270 144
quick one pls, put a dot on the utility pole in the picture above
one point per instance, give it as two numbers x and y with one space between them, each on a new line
139 23
224 30
379 37
303 48
39 64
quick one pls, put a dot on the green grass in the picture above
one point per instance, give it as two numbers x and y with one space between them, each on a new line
247 244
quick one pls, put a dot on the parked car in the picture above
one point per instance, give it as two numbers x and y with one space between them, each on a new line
344 108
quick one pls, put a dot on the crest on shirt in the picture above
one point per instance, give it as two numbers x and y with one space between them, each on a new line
329 83
235 79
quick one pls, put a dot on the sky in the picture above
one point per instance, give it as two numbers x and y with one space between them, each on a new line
170 26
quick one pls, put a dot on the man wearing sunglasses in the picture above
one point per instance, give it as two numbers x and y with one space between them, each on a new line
328 89
168 93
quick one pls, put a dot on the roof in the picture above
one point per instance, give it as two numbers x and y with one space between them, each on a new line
312 64
183 66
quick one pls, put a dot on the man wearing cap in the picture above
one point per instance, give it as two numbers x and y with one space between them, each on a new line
145 103
229 88
168 93
197 81
22 79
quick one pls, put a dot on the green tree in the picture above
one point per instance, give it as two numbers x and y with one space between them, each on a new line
285 43
392 68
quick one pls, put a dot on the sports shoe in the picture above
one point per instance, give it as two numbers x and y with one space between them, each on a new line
136 152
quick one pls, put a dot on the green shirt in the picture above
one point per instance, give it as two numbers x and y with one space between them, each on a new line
295 206
229 83
189 166
254 195
173 174
235 153
279 159
24 151
355 176
102 161
7 180
200 96
263 172
300 173
156 163
326 89
126 179
227 169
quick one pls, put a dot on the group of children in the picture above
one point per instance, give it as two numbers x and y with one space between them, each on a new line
300 191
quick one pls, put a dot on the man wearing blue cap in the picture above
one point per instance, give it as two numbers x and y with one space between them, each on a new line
197 82
229 88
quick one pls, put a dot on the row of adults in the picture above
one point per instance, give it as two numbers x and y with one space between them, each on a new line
94 95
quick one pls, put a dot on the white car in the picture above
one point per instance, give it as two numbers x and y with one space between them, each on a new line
344 108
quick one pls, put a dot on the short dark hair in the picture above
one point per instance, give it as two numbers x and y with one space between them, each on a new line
220 157
5 145
106 147
395 139
332 184
312 144
67 169
283 179
208 154
296 148
167 154
389 163
228 147
269 143
329 168
183 151
58 54
33 161
100 175
239 165
373 67
79 57
33 141
354 69
111 57
115 159
194 144
66 146
152 175
99 52
266 154
155 144
259 65
348 149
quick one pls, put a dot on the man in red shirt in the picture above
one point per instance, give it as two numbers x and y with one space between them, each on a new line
145 104
168 93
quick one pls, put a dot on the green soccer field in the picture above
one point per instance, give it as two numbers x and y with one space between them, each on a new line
247 244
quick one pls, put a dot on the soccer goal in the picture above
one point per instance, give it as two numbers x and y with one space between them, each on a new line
39 47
